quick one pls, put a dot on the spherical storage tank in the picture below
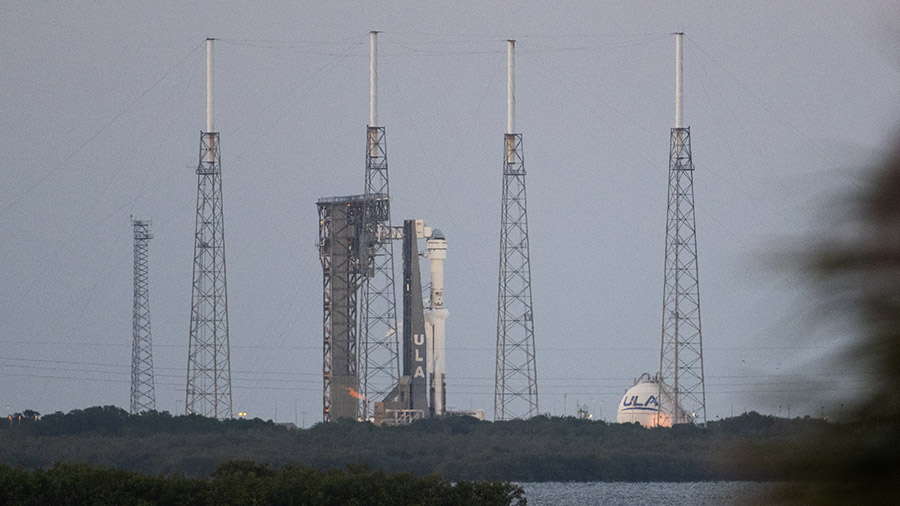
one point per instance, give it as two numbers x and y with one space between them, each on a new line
641 403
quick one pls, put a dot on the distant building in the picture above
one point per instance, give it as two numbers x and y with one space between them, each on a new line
650 402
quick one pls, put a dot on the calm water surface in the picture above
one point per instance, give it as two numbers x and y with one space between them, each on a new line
641 494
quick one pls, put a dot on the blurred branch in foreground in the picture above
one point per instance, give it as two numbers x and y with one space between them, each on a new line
856 275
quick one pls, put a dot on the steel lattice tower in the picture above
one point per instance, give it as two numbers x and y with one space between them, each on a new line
208 391
516 389
381 366
378 324
143 397
681 353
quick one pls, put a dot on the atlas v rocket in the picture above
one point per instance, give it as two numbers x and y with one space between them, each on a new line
422 391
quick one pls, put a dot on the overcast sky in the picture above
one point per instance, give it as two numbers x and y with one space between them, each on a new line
102 104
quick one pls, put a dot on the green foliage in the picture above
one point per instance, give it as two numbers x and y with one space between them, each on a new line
244 483
540 449
114 421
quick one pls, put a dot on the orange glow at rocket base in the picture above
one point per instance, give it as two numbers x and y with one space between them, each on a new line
354 393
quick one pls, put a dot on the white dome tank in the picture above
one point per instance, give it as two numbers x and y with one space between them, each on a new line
642 404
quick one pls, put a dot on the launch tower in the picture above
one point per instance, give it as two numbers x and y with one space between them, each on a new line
345 226
143 397
208 391
681 353
378 325
516 388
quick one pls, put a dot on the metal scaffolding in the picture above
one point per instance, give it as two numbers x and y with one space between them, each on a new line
681 353
143 396
378 325
516 388
344 250
208 389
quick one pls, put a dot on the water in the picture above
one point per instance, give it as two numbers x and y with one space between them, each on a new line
641 494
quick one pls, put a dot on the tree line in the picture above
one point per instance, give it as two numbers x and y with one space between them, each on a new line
245 483
745 447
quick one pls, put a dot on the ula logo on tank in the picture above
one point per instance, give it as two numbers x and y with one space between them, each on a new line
634 402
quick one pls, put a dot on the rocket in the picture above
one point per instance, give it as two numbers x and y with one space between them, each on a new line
424 362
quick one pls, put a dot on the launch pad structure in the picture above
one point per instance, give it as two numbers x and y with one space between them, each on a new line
348 227
361 367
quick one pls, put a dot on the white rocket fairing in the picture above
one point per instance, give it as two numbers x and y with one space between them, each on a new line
435 321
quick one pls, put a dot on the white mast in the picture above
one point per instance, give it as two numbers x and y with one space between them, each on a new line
210 127
510 87
373 79
679 98
510 101
209 85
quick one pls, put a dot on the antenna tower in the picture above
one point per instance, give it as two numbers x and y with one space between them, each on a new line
681 353
515 390
143 397
378 323
208 391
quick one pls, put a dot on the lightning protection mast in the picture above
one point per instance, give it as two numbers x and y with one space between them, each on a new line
681 353
378 325
515 389
208 390
143 397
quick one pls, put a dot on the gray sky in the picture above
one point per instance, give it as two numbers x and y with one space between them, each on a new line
102 103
